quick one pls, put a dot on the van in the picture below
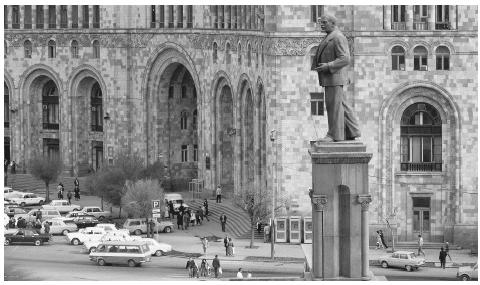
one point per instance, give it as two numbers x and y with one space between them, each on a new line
177 200
131 253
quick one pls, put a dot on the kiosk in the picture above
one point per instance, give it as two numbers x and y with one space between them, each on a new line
307 230
281 229
295 235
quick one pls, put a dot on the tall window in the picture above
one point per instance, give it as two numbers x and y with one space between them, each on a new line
183 120
15 16
442 21
179 16
39 17
257 57
420 55
27 19
215 16
184 153
398 58
74 49
63 16
85 17
96 108
184 91
6 106
263 56
189 16
52 17
27 49
215 52
96 49
170 16
442 58
96 16
398 17
317 11
194 121
228 55
420 17
316 104
153 15
74 16
162 16
50 106
234 17
239 53
51 148
249 55
52 49
195 152
421 138
5 17
171 91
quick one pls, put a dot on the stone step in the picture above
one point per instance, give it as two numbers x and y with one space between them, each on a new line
413 245
28 183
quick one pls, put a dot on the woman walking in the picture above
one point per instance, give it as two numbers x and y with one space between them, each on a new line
204 268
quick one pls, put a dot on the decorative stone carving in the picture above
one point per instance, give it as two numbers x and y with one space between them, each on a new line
319 202
364 200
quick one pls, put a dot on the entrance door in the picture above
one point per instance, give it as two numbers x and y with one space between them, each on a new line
98 158
421 217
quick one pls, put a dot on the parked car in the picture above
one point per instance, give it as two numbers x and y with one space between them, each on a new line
91 245
466 273
110 227
157 248
32 215
139 226
13 210
84 221
25 236
133 253
62 206
58 226
28 199
97 212
402 259
9 193
74 214
82 235
177 200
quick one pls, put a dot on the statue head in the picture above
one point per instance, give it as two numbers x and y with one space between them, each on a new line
328 23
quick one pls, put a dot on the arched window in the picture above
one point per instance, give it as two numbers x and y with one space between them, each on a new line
183 120
96 16
249 55
184 91
420 56
194 120
52 49
96 106
52 17
27 49
228 55
6 106
96 49
215 55
50 106
421 138
74 49
443 58
398 58
171 91
239 53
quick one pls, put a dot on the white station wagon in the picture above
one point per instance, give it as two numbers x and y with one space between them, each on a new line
402 259
62 206
85 234
28 199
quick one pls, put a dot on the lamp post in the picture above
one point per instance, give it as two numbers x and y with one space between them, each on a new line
274 187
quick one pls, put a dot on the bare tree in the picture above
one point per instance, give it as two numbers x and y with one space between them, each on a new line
138 197
46 169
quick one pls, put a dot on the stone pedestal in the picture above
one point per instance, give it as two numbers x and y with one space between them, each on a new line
340 210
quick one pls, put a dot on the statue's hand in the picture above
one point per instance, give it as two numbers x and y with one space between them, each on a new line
322 67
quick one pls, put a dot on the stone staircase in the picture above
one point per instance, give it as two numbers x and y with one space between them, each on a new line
413 245
28 183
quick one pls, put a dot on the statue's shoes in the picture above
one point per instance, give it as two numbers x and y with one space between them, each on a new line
326 139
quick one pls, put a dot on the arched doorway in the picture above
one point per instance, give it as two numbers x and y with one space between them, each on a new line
248 141
225 134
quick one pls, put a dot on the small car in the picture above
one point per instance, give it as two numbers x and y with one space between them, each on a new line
14 210
25 236
402 259
32 215
92 244
84 221
85 234
131 253
97 212
110 227
466 273
62 206
9 193
157 248
28 199
139 226
58 226
177 200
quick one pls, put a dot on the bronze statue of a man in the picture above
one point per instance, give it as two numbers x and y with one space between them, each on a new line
331 59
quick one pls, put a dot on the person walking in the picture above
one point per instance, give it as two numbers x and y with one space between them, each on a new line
151 226
190 265
200 216
447 250
76 185
230 247
46 227
420 246
223 221
13 167
171 209
382 238
219 194
69 197
379 241
443 258
204 245
259 225
239 273
193 218
179 221
186 220
225 244
11 223
205 204
204 268
38 214
59 190
216 265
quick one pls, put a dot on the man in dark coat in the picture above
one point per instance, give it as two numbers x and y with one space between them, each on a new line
223 221
46 227
330 60
180 221
380 232
205 204
216 265
443 258
225 244
39 214
171 209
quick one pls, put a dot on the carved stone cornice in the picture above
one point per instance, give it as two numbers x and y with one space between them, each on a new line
341 158
319 201
364 200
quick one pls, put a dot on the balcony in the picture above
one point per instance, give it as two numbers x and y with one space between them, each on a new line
442 26
97 128
399 25
49 126
421 26
421 166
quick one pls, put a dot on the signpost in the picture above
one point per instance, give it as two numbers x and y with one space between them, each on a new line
156 210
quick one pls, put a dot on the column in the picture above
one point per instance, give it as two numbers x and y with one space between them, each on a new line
34 16
387 17
364 200
453 16
21 16
185 15
319 205
431 17
90 16
409 17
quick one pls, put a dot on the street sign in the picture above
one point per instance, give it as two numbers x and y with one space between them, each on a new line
155 203
156 215
155 211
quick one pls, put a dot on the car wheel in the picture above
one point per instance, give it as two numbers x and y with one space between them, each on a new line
158 253
132 263
101 218
167 229
75 241
92 249
408 268
38 242
23 204
101 262
65 232
7 242
138 232
384 264
465 277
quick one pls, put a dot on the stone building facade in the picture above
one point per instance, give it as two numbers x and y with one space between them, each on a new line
201 88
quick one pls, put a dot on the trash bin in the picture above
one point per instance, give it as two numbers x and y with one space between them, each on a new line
307 230
280 229
295 236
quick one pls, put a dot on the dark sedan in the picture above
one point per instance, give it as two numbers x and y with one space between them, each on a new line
25 236
85 221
